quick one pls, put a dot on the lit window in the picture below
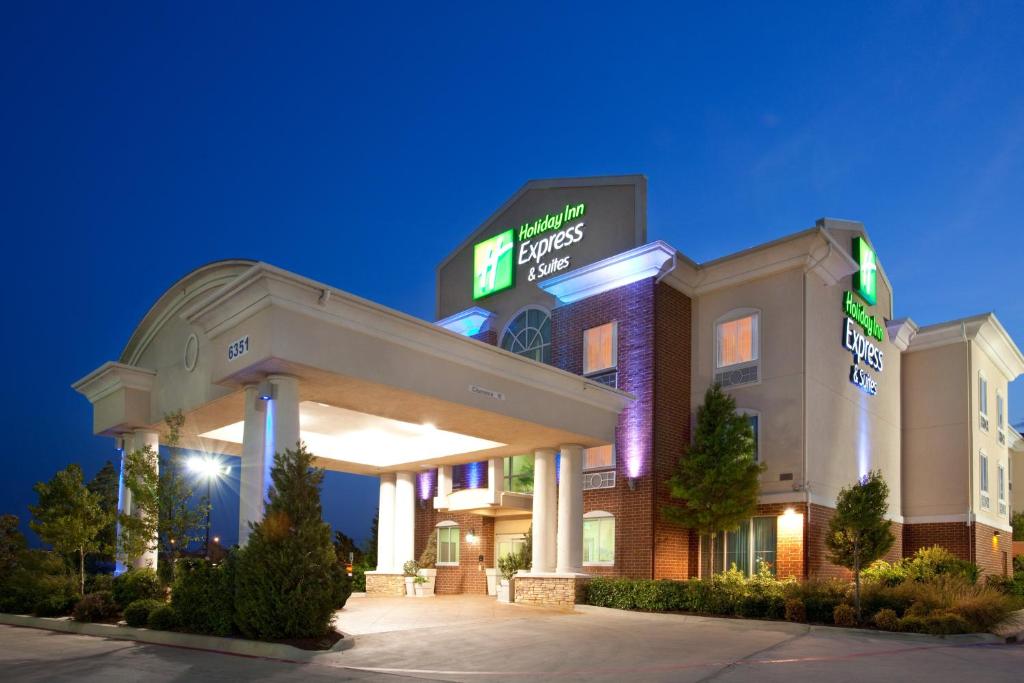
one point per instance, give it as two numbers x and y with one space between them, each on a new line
448 545
1002 489
736 341
983 480
598 539
753 542
519 473
529 334
983 400
600 348
599 457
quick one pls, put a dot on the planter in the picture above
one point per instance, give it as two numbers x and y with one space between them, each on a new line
505 591
492 580
410 586
427 587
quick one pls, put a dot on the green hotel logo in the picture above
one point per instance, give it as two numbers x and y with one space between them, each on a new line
865 280
494 264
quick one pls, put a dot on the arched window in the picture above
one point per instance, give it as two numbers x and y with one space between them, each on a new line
529 334
598 538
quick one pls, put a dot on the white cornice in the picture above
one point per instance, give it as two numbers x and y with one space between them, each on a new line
985 330
611 273
112 376
468 322
901 332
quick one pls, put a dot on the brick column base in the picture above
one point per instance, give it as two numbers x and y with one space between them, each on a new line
384 585
560 591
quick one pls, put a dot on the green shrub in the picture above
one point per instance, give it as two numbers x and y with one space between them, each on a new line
819 597
137 613
36 576
1018 563
163 618
56 605
136 584
94 583
1007 585
982 607
884 573
203 596
945 623
928 563
795 610
844 615
912 624
886 620
95 607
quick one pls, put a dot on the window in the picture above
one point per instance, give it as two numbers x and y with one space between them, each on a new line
736 341
983 401
447 544
983 480
519 473
754 541
599 457
1001 483
754 418
529 334
1000 420
598 538
600 348
508 544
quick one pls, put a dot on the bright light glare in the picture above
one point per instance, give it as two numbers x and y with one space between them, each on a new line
208 468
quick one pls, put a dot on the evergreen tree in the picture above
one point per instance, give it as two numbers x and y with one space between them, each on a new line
370 551
343 545
69 516
289 582
105 485
859 533
717 479
12 543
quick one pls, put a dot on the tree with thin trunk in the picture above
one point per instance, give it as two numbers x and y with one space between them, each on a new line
69 516
139 524
717 481
105 484
859 533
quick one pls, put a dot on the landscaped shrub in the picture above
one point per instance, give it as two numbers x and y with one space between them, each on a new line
983 607
136 584
203 596
886 620
163 618
912 624
945 623
95 607
137 613
882 572
927 563
56 605
844 615
795 610
819 597
37 576
94 583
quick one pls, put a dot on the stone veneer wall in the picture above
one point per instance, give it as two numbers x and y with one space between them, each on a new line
550 591
385 585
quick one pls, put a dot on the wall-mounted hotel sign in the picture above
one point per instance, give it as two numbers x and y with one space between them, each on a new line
541 246
858 341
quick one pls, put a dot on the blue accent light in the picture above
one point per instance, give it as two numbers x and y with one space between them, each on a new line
268 449
119 567
474 474
863 438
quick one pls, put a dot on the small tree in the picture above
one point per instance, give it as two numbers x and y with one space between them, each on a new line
370 550
288 581
12 543
139 525
1017 522
343 545
69 516
105 485
859 533
717 479
181 521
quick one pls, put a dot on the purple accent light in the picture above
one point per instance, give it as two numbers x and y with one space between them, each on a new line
426 484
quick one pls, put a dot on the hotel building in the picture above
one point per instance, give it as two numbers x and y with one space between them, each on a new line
558 388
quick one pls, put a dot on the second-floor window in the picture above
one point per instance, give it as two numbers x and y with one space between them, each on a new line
983 401
1001 490
600 353
983 481
1000 417
738 348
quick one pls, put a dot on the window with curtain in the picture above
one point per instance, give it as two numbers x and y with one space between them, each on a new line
529 334
599 457
448 545
598 539
736 341
519 473
983 479
756 539
600 348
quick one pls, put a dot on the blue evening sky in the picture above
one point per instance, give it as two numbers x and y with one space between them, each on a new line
358 143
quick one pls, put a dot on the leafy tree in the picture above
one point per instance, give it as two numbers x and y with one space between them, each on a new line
343 545
181 522
859 533
1017 522
288 581
139 525
12 543
105 485
717 479
69 516
370 550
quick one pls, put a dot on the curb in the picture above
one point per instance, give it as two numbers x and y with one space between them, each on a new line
234 646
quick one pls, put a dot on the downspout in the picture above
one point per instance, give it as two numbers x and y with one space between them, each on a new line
970 444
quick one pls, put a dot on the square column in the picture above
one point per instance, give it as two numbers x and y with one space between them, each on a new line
570 510
405 519
544 520
257 460
284 418
495 479
444 487
148 438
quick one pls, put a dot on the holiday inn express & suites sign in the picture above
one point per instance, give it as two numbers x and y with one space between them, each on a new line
859 341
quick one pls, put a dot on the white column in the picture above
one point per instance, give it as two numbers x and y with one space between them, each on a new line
285 412
405 518
124 496
150 438
543 510
444 487
570 510
256 464
386 524
495 479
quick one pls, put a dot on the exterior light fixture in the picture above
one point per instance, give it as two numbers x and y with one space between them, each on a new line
209 469
789 512
266 390
471 536
216 539
632 483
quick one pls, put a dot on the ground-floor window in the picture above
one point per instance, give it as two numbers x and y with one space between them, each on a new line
508 544
598 538
448 545
754 541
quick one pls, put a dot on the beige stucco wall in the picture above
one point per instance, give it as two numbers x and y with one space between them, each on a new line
987 440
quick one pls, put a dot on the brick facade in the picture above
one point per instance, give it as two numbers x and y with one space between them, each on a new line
975 542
